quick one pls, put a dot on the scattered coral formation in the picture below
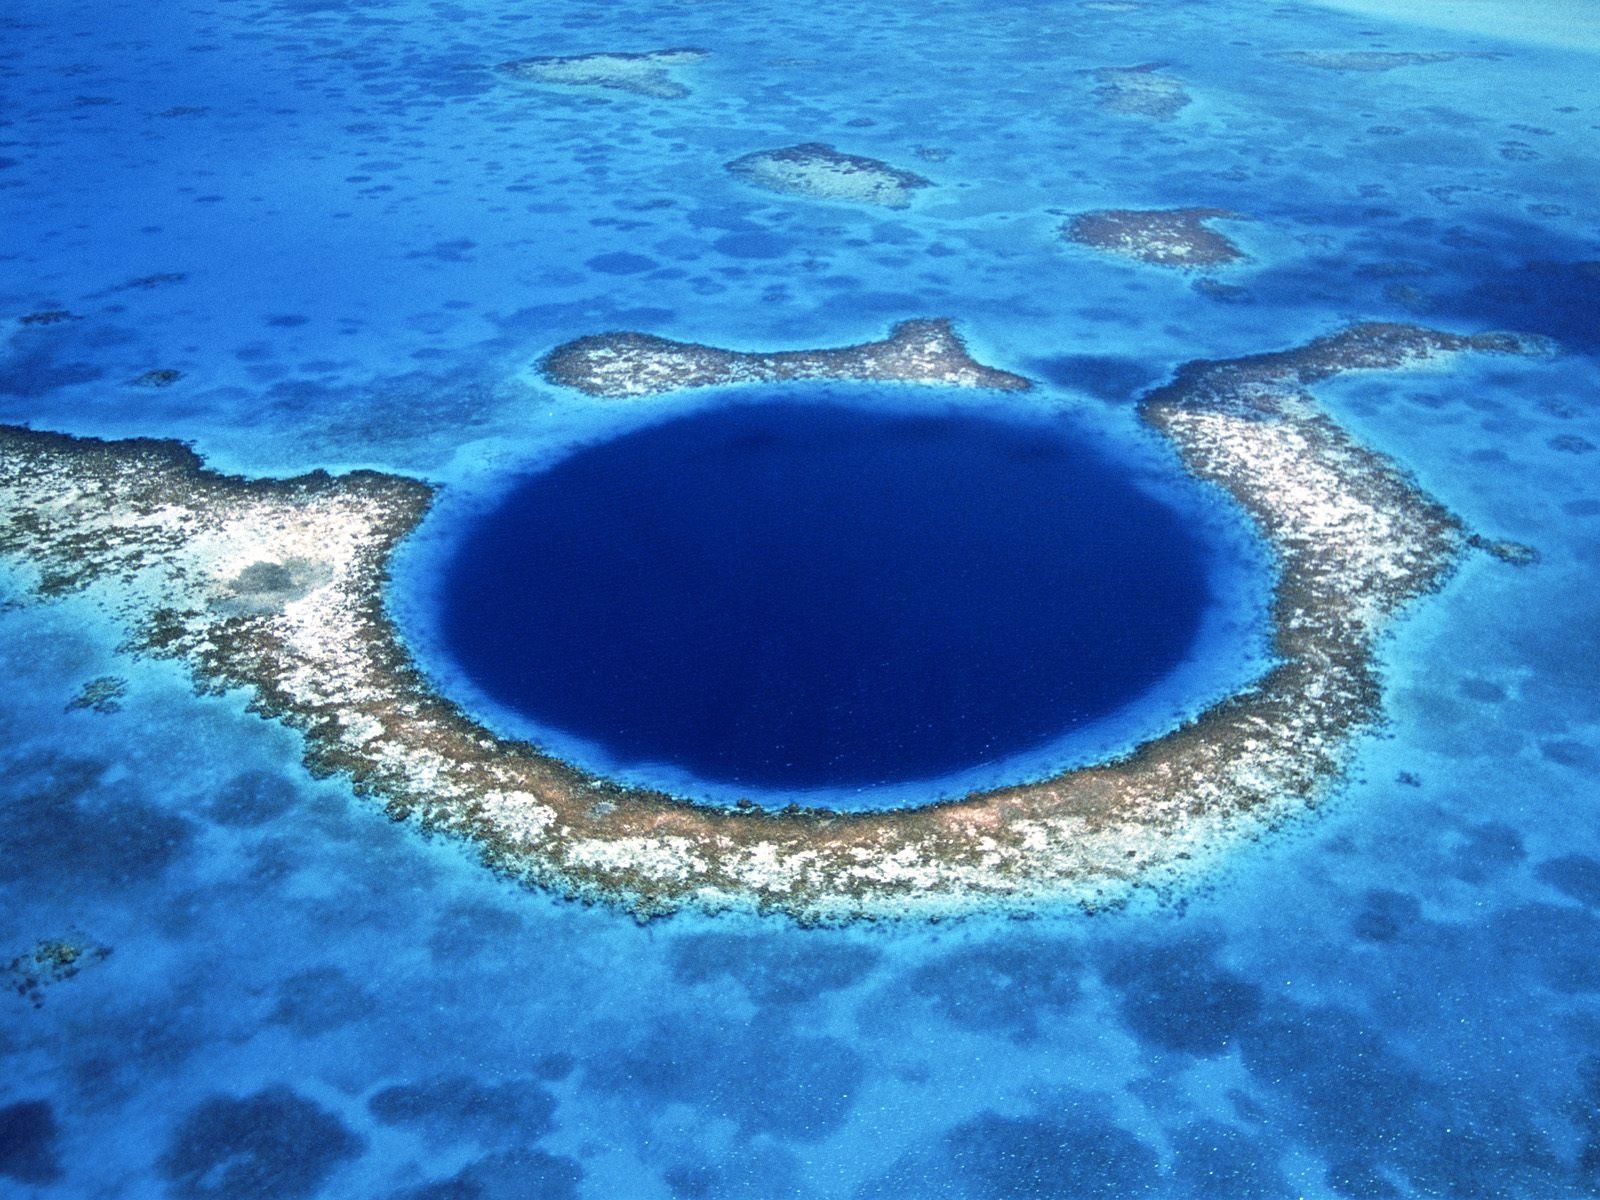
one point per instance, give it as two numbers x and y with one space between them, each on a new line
51 961
1142 91
817 170
102 695
1371 61
143 529
1515 553
640 364
647 74
1166 237
159 378
143 283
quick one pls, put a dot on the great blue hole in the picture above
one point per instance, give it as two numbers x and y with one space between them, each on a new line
790 595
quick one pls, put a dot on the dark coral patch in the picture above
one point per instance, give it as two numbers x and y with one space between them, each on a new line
321 999
251 799
1018 987
1574 875
1386 915
1486 851
102 694
522 1174
620 263
28 1136
1176 996
273 1143
61 826
461 1106
1073 1151
1558 943
1352 1091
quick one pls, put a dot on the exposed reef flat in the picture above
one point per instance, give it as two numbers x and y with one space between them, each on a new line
1167 237
642 74
1372 61
276 587
1142 91
817 170
640 364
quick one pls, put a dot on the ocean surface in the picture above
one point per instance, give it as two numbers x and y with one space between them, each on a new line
353 240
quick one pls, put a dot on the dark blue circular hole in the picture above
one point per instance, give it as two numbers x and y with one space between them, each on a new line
800 595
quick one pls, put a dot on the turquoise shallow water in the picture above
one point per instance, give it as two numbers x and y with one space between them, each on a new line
354 241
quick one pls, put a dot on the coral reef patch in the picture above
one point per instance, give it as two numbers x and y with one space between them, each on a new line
648 74
639 364
817 170
1166 237
102 695
51 961
1142 91
146 531
49 316
274 1142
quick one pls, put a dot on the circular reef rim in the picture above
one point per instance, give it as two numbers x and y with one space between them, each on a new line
277 587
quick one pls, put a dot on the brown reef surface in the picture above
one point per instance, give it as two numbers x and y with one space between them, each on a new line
641 364
277 587
1165 237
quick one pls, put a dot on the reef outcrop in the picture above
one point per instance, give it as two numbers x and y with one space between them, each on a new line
276 587
818 171
621 365
103 694
1142 91
1166 237
648 74
49 962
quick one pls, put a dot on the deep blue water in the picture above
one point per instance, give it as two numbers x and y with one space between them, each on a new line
800 595
355 241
